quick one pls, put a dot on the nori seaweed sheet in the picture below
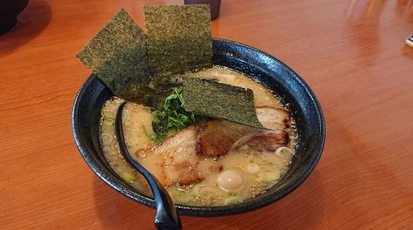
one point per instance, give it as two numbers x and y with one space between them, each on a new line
178 39
219 100
117 55
138 66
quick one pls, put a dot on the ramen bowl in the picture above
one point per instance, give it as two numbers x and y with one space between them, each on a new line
270 72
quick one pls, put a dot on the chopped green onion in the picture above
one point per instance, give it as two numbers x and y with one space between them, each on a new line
128 177
233 198
181 196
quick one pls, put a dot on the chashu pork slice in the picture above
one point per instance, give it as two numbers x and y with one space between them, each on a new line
218 136
175 162
273 118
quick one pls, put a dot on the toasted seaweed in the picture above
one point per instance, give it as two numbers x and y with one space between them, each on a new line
138 66
217 100
117 55
179 37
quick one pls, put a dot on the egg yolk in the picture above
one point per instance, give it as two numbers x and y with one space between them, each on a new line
230 180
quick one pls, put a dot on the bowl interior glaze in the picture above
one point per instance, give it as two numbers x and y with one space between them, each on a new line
268 70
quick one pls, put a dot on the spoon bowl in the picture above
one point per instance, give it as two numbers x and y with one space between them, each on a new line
166 215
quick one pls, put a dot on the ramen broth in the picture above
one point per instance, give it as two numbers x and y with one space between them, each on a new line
246 171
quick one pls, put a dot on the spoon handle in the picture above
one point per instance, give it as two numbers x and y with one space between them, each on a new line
166 215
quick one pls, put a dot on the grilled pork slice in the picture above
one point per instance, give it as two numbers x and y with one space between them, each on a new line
175 161
268 140
273 118
218 136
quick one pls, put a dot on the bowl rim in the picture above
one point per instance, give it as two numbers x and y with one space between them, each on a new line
228 48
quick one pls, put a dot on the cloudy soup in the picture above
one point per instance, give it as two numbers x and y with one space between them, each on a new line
238 162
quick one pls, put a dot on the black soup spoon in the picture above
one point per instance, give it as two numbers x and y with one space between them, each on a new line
166 215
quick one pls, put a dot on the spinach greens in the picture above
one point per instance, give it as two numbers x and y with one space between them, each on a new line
172 117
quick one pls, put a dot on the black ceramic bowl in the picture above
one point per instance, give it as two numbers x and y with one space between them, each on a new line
270 72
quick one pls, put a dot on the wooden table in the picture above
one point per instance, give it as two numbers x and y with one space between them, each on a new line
351 52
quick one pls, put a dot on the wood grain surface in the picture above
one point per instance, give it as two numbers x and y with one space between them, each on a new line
351 52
